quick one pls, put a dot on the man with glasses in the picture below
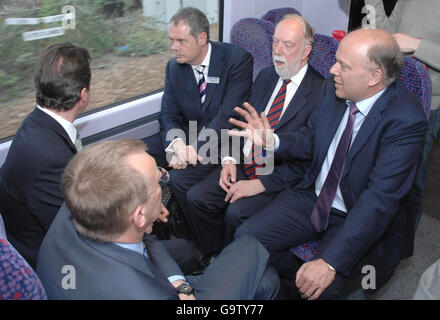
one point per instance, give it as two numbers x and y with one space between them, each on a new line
102 234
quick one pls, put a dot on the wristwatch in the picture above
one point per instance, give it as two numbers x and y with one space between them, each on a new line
185 289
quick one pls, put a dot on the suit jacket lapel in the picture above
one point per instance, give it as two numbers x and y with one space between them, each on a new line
367 128
271 81
298 101
190 85
216 64
125 256
335 114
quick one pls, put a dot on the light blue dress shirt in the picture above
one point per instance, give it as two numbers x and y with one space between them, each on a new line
364 108
139 248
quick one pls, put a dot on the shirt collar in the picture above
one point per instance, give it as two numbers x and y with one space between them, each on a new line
205 61
299 76
137 247
364 106
67 125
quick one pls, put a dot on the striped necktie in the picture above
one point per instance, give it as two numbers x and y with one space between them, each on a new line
202 82
273 115
78 143
321 210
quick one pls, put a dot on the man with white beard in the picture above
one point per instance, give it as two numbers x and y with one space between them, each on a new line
288 93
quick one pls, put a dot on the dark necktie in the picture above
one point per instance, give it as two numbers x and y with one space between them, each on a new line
273 115
202 83
321 210
78 143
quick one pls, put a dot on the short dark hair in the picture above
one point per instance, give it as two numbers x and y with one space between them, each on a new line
61 73
387 57
196 20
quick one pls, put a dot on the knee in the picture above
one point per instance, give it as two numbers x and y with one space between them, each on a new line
233 216
245 229
194 195
269 285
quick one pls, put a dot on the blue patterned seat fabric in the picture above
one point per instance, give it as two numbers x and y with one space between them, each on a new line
18 281
275 15
415 76
255 36
322 57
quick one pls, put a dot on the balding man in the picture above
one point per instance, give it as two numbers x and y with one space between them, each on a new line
364 142
287 92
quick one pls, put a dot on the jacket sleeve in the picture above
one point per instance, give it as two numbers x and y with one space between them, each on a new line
171 114
161 258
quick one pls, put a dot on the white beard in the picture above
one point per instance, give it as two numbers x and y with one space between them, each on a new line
288 70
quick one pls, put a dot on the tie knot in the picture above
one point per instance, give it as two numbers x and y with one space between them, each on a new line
286 82
200 68
353 108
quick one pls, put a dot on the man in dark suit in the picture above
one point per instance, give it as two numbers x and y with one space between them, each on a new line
288 92
364 143
203 83
30 192
99 245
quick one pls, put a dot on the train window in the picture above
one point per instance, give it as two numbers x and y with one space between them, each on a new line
127 40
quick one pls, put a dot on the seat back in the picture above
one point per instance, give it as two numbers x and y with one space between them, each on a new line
416 78
255 36
19 281
275 15
322 57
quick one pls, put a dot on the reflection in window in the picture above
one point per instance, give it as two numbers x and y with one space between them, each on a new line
127 40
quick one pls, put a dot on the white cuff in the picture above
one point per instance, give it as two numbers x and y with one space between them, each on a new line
170 146
226 159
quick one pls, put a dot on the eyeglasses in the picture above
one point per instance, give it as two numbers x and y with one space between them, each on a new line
163 183
164 178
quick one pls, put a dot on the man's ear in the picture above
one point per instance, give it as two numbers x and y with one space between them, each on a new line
376 76
202 38
138 216
306 52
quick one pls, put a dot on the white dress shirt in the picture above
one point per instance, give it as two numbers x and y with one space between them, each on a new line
67 125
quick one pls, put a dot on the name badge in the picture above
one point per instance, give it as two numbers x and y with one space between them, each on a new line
215 80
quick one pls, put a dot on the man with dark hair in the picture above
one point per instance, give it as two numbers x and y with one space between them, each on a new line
203 84
113 193
364 142
30 192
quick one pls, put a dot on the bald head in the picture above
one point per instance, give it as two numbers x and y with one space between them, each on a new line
380 50
367 61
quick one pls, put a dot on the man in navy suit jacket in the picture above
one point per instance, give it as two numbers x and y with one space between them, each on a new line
203 83
99 245
365 226
214 227
30 192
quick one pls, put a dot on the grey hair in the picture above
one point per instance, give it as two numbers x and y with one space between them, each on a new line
388 58
308 29
196 20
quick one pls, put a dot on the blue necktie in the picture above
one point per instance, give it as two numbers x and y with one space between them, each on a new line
202 83
321 210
